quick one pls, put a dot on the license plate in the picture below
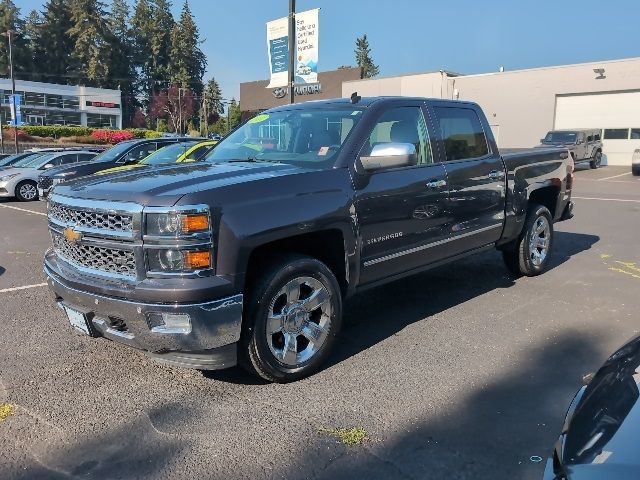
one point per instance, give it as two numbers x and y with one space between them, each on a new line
78 320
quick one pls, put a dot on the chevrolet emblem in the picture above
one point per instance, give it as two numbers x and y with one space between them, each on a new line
71 235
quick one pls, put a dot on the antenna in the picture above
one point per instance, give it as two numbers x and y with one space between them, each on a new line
355 98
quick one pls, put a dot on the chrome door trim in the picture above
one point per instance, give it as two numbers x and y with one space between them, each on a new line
375 261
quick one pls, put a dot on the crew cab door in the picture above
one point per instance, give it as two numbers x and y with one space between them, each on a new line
475 175
401 210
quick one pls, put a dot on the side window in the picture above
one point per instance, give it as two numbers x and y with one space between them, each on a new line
596 137
63 159
84 157
461 133
199 152
138 153
402 125
589 138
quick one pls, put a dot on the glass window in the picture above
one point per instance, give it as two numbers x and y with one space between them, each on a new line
84 157
98 120
589 138
635 134
402 125
54 101
596 137
138 153
168 154
616 133
461 133
200 152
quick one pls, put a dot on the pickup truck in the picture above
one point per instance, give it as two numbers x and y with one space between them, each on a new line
246 258
583 145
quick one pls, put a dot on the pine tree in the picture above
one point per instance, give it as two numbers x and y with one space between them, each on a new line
91 51
235 117
141 28
10 20
187 62
55 65
363 58
32 36
211 106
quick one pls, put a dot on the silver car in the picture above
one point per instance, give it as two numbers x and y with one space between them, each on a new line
20 180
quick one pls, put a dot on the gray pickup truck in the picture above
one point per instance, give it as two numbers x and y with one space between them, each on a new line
583 145
248 256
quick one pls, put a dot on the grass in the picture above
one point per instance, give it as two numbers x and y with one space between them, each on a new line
6 409
348 436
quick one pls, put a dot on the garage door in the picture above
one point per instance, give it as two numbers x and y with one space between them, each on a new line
615 113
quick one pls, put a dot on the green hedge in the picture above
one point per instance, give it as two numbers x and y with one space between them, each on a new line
67 131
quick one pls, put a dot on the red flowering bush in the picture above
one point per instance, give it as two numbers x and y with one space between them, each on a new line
12 132
111 136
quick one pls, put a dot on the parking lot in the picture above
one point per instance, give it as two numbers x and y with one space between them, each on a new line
462 372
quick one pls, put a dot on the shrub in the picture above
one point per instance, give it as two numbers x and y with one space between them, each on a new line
143 133
161 125
111 136
55 131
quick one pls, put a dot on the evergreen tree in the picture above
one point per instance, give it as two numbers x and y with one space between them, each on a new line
234 113
363 58
141 23
187 62
211 105
91 51
32 36
54 64
10 20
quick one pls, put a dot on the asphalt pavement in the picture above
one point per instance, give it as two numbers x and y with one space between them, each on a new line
464 372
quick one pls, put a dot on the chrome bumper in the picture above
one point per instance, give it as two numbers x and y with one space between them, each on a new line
214 325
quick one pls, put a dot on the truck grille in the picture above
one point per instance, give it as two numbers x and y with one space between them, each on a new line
111 222
45 182
109 260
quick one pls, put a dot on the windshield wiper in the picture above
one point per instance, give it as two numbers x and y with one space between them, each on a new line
251 160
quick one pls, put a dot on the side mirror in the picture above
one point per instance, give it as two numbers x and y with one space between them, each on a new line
389 155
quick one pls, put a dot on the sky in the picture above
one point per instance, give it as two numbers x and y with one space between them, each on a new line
409 36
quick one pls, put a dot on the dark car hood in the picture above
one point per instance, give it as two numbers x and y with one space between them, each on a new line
603 435
165 185
55 171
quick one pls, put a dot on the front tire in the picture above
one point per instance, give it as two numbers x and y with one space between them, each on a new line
597 160
27 191
292 318
529 254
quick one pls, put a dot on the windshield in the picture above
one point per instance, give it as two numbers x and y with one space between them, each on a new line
11 159
560 137
27 161
306 138
113 152
167 154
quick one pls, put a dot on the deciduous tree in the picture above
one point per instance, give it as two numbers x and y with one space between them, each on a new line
175 104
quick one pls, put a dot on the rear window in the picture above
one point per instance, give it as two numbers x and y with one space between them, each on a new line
462 133
616 133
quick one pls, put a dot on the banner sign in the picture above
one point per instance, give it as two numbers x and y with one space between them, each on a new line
16 113
307 46
278 49
306 49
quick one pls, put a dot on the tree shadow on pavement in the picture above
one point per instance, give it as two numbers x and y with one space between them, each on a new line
492 432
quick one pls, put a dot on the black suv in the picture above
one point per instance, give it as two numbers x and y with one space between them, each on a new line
130 151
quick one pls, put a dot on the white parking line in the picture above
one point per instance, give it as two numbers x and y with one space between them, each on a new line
608 199
14 289
615 176
23 210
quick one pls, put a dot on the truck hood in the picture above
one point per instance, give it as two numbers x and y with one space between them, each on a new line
165 185
53 172
603 433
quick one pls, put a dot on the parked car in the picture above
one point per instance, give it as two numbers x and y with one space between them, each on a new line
124 153
15 158
4 155
635 162
601 433
584 145
181 152
247 256
21 179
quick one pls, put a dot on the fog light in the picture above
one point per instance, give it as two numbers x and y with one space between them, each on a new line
169 322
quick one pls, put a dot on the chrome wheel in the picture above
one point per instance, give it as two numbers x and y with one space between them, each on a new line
28 191
299 320
539 241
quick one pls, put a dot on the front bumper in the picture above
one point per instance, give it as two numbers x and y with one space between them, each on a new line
211 343
8 188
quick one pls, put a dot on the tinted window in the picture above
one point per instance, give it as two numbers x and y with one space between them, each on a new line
138 153
402 125
635 133
590 138
200 152
65 159
596 137
83 157
616 133
461 133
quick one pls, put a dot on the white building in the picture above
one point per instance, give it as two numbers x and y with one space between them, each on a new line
53 104
522 105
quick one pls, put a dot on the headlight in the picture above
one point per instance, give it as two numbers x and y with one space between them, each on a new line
7 177
176 224
172 260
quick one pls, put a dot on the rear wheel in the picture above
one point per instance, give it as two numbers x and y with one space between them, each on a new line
597 160
529 254
26 191
293 315
635 170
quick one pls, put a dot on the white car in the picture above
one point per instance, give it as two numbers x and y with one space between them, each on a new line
20 180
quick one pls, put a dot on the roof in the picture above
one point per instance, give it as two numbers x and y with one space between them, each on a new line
363 102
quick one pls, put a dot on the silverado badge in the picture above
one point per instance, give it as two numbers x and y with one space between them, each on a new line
71 235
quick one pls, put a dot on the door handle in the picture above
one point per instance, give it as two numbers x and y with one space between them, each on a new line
437 184
495 175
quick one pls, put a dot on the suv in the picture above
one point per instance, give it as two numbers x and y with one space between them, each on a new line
124 153
583 145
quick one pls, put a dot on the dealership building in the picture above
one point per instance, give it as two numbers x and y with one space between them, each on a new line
522 105
53 104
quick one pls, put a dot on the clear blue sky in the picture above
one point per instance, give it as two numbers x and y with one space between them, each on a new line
466 36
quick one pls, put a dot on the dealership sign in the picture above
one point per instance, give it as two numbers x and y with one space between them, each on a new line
306 61
15 106
310 89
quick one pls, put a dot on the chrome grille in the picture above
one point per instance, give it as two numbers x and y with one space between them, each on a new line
109 260
45 181
111 222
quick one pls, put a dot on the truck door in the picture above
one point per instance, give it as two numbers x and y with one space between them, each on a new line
475 175
401 210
